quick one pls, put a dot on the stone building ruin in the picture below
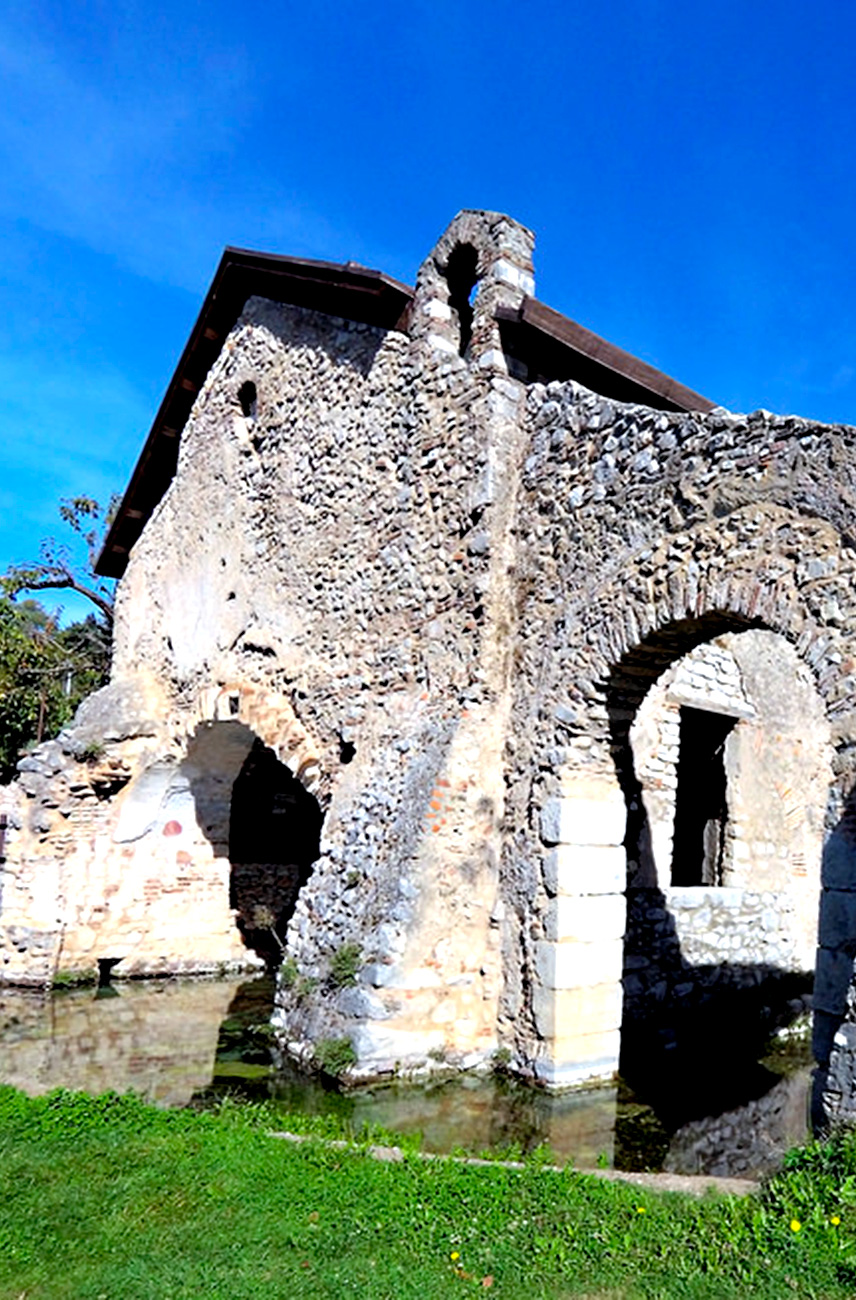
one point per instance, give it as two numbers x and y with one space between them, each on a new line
496 681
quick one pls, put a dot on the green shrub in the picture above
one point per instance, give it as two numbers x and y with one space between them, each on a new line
344 965
73 979
502 1060
334 1056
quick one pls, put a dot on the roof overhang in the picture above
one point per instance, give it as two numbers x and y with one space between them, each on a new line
349 290
553 347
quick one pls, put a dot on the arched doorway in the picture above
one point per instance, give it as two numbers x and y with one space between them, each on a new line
724 758
260 817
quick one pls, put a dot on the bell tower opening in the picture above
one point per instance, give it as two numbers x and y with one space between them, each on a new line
462 278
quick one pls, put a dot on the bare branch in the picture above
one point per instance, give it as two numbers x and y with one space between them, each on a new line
62 580
57 569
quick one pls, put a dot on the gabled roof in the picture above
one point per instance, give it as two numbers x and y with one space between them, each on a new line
348 290
549 345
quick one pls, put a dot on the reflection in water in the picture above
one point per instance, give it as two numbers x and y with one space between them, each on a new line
176 1040
154 1037
750 1139
489 1114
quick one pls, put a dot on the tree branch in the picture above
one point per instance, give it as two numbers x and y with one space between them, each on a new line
59 581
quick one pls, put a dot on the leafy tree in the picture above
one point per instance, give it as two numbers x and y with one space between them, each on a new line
44 674
58 568
45 671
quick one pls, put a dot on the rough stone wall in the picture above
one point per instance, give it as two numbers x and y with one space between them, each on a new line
644 534
440 597
100 868
749 1141
328 573
837 1088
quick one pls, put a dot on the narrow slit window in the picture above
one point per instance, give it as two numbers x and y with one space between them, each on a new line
701 803
462 278
248 399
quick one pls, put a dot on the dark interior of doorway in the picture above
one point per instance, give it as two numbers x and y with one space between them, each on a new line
274 839
701 805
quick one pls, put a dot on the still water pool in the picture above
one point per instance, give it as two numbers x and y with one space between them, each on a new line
180 1041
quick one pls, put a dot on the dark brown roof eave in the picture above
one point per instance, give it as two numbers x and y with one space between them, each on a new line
555 347
347 290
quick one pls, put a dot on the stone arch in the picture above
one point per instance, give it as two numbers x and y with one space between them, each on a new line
761 568
719 962
179 904
273 720
482 249
270 825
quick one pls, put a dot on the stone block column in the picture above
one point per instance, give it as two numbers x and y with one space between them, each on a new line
578 963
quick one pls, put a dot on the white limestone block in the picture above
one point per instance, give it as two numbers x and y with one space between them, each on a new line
507 273
492 357
837 918
442 345
563 1013
377 1043
576 1060
591 918
569 819
585 869
572 965
438 310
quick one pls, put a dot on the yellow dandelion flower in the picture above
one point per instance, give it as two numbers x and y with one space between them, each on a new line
795 1225
456 1254
835 1220
640 1209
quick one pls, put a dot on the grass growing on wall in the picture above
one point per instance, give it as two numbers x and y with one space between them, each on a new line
108 1197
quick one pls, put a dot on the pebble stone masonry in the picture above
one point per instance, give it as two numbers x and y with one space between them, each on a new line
447 571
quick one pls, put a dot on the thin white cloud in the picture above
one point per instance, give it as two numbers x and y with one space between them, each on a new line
140 167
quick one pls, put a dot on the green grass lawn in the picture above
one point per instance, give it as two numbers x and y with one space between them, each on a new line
109 1199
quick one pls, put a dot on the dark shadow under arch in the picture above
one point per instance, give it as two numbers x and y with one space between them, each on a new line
254 812
274 839
693 1042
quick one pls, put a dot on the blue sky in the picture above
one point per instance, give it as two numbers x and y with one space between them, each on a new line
688 171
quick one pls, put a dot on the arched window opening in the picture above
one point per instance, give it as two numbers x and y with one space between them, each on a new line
274 839
462 278
248 398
